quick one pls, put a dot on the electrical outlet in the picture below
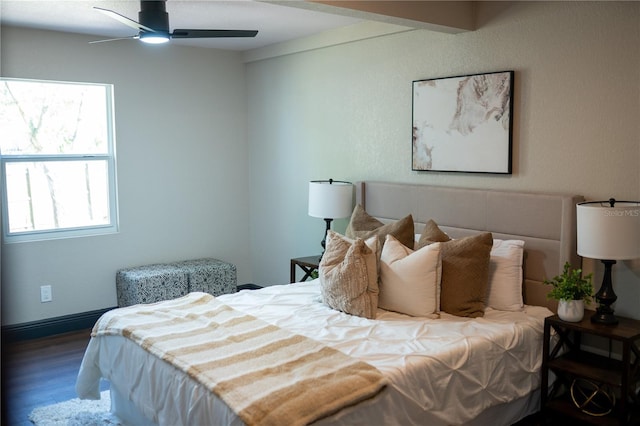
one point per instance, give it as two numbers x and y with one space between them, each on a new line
46 295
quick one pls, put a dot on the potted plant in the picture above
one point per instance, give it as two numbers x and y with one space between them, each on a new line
572 291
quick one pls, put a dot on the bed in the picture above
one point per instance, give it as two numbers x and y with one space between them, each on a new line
443 369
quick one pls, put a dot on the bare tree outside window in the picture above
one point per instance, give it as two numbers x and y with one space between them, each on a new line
58 158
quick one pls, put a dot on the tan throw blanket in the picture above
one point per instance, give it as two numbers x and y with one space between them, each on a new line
266 375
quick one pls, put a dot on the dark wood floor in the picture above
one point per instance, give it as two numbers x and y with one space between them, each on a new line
40 372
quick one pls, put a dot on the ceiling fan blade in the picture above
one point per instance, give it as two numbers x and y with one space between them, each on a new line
187 33
123 19
114 39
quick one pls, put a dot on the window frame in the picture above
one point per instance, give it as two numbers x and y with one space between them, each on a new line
109 157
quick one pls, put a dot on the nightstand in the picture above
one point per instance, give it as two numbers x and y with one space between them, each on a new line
569 361
308 265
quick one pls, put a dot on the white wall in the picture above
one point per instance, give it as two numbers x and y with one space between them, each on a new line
188 178
181 152
344 112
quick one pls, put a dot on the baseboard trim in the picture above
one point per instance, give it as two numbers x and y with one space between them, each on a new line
51 326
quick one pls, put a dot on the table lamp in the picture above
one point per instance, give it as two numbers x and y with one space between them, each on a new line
330 199
608 231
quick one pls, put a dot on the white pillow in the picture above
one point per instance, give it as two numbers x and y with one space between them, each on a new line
410 280
505 275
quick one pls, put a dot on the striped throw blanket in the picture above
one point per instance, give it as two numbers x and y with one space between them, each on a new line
266 375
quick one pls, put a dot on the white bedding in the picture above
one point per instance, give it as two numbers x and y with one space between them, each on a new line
440 371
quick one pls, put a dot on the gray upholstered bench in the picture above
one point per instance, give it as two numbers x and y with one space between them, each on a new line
153 283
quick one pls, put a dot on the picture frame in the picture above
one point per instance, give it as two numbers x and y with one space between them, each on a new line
463 123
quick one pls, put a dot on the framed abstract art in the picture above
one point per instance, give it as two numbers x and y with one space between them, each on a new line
464 123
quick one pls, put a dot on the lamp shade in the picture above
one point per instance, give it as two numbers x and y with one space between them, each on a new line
609 230
330 199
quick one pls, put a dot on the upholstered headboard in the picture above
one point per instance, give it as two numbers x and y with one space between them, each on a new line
546 222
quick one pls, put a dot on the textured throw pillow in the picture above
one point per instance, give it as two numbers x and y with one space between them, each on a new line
348 275
505 275
410 280
363 225
465 272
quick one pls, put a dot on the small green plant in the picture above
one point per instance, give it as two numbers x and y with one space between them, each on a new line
571 285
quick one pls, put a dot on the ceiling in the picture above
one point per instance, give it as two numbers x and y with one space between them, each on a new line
276 23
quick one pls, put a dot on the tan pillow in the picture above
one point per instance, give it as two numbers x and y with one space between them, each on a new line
348 275
361 221
362 225
410 280
465 273
431 234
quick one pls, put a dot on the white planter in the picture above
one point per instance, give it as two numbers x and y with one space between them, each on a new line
571 310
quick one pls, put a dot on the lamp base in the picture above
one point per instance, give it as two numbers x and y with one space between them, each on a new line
605 297
606 318
323 243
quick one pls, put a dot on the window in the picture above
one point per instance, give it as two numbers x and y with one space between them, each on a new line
57 153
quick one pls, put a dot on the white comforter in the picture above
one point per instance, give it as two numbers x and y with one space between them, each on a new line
440 371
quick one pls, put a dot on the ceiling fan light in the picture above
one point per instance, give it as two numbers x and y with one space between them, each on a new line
154 38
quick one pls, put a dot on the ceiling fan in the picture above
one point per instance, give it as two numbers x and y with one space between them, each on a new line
153 27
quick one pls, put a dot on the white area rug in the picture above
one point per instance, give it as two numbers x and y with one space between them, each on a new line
76 412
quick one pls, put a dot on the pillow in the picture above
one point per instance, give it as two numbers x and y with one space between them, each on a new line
465 271
505 275
361 221
363 225
348 275
431 234
410 280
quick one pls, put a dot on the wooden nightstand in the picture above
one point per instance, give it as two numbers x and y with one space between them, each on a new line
307 264
620 377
